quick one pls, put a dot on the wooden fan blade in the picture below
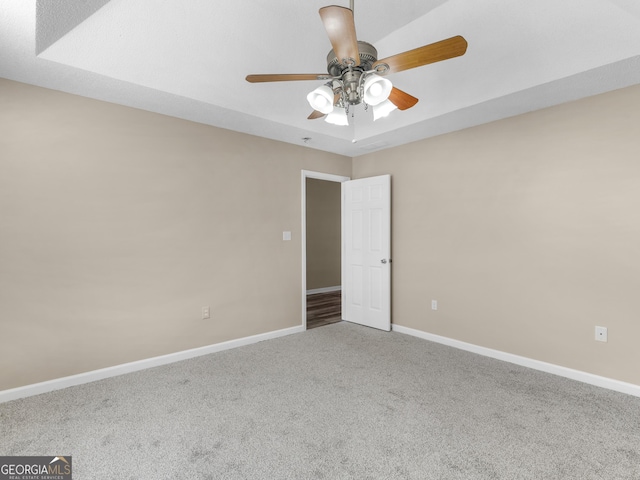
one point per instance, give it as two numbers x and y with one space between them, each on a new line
286 77
341 29
401 99
315 114
432 53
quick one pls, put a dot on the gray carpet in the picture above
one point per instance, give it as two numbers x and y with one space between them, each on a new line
340 401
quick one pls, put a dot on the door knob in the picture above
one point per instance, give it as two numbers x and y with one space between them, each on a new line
384 260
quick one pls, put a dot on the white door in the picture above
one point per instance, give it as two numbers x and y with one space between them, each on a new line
366 266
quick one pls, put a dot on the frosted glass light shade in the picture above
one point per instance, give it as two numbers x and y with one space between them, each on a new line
376 89
321 99
338 117
383 109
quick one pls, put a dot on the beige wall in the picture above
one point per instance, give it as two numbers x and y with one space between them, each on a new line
526 231
118 225
323 233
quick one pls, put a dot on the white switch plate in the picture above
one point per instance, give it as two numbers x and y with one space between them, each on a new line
601 334
206 313
286 235
434 304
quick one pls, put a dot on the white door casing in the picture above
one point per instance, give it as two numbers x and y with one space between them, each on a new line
366 265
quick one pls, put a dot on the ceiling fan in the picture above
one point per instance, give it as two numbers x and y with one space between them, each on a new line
355 75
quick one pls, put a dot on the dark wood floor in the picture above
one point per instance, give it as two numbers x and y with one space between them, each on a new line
324 309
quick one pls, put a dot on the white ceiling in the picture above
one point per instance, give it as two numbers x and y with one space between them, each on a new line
189 59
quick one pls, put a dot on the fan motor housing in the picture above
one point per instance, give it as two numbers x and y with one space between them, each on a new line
368 56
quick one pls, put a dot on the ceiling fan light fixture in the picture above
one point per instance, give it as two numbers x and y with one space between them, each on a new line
321 99
338 117
356 75
383 109
376 89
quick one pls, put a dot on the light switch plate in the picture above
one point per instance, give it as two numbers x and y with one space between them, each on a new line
286 236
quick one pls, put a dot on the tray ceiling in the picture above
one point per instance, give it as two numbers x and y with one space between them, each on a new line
190 59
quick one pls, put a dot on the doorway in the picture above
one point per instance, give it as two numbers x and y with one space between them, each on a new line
321 248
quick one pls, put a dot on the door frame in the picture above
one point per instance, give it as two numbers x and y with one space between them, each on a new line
319 176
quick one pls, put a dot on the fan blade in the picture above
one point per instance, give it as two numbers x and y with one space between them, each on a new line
401 99
432 53
287 77
341 29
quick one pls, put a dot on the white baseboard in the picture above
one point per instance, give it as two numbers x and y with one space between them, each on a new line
324 290
604 382
64 382
60 383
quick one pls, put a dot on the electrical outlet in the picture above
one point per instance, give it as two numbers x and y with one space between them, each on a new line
601 334
206 312
434 304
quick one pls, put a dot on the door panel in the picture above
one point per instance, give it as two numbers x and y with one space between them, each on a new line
366 283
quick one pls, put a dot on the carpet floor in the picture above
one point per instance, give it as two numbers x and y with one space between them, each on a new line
338 402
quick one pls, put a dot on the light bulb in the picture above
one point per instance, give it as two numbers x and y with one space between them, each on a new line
338 117
375 89
321 99
383 109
